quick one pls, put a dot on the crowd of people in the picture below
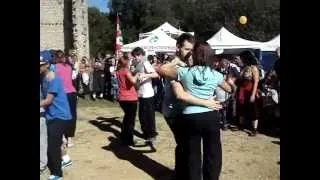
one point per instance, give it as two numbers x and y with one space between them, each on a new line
197 91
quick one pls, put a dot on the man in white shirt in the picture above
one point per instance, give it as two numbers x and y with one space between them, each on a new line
145 94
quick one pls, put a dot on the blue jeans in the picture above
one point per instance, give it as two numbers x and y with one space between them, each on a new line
114 87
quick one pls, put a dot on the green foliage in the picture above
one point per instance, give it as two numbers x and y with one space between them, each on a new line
204 17
101 32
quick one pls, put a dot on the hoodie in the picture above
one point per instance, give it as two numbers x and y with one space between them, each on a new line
200 82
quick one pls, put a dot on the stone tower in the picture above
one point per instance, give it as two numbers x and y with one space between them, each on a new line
80 27
64 25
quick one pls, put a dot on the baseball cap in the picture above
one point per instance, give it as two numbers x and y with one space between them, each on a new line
47 55
43 61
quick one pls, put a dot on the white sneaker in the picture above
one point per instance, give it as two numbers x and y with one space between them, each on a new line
53 177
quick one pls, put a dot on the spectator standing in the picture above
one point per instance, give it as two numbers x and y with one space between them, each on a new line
98 79
64 71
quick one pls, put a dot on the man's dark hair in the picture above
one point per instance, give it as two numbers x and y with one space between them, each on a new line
60 52
137 51
150 58
185 37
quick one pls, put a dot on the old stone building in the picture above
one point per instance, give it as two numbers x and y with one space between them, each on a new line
64 25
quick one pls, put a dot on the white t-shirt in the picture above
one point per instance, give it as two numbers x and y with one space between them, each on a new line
111 69
145 89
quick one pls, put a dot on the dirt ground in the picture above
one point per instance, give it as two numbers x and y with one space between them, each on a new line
97 154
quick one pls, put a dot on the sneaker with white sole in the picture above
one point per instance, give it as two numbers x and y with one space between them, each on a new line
65 164
152 143
53 177
42 170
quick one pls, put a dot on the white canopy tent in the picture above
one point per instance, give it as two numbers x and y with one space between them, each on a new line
165 27
271 45
224 39
157 42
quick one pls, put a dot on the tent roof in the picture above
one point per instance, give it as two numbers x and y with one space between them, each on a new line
275 40
224 39
165 27
159 42
271 45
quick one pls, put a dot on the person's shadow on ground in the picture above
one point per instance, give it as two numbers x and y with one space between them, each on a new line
139 160
105 124
135 157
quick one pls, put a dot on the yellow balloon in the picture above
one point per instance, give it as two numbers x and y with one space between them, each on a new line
243 19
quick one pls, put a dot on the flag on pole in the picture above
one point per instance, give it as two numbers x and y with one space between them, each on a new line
118 39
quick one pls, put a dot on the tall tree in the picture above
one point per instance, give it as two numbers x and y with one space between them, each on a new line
100 32
204 17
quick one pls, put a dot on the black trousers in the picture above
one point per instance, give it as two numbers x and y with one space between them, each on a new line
75 84
98 81
72 99
179 157
147 117
56 128
130 110
195 127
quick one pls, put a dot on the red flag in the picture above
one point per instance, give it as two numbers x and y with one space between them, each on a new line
118 38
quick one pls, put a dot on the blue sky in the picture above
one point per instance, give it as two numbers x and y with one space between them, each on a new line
100 4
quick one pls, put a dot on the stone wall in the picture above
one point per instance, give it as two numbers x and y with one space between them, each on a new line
51 24
64 25
80 27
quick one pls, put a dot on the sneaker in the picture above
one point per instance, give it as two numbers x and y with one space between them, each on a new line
53 177
42 170
150 140
138 143
65 164
152 143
